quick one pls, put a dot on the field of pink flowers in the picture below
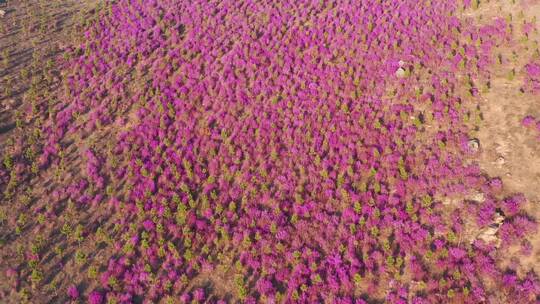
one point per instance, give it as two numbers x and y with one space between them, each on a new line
301 149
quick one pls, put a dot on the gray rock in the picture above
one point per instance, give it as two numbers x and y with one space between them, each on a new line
400 73
478 197
489 234
474 145
498 218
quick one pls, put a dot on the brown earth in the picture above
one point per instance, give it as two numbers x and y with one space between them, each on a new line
32 34
508 149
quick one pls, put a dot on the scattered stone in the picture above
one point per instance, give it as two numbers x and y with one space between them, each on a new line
400 73
2 13
489 234
448 201
478 197
500 161
474 145
499 218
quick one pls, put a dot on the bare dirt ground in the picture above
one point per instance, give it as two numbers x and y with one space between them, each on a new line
32 34
508 149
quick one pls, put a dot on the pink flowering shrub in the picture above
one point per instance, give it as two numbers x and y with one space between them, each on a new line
532 77
72 292
293 138
95 297
528 121
532 123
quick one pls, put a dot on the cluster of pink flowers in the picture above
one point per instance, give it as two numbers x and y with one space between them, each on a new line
532 77
292 137
95 297
73 293
93 168
532 123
